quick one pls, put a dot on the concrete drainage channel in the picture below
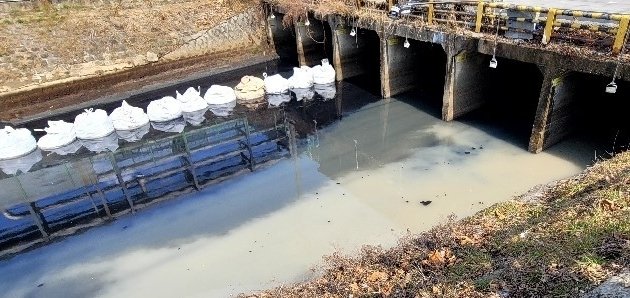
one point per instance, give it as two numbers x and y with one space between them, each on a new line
549 94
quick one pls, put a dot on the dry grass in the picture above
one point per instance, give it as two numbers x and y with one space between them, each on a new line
562 245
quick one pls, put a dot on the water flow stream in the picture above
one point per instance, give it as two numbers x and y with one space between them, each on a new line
354 181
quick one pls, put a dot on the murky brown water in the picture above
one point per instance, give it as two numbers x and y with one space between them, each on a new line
357 181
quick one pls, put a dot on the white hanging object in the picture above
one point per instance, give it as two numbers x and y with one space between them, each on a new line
273 16
493 62
307 23
611 88
406 44
353 32
58 134
16 142
93 124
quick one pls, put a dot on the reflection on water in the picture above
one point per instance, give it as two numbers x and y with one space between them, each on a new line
335 186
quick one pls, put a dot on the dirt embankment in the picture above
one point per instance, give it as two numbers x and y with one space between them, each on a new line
556 241
47 45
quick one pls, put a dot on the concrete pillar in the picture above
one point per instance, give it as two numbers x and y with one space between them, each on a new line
310 42
397 67
347 52
465 88
555 115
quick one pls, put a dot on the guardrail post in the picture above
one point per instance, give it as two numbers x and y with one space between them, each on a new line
620 39
551 19
431 13
480 7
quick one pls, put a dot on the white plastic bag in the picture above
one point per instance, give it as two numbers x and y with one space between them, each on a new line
164 109
58 134
93 124
127 117
16 142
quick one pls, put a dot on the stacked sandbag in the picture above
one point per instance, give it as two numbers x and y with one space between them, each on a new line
276 84
127 117
93 124
16 142
323 74
250 88
165 109
58 134
191 100
221 99
302 78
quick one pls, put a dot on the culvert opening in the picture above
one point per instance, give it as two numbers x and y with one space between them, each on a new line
317 42
510 95
582 109
368 60
283 40
428 63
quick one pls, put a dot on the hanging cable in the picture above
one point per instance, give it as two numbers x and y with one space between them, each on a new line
494 63
612 86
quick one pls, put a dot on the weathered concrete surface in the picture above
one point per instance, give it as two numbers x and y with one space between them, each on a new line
237 33
347 51
616 287
466 87
398 73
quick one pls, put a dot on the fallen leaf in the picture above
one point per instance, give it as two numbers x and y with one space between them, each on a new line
377 276
499 215
465 240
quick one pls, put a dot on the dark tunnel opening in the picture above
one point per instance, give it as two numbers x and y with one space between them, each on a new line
369 61
283 40
593 115
428 62
510 94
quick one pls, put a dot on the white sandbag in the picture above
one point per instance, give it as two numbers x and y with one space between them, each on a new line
327 91
278 99
93 124
22 164
106 143
197 117
164 109
16 142
223 110
217 95
127 117
58 134
68 149
275 84
191 100
250 88
323 74
176 125
134 135
302 78
303 93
